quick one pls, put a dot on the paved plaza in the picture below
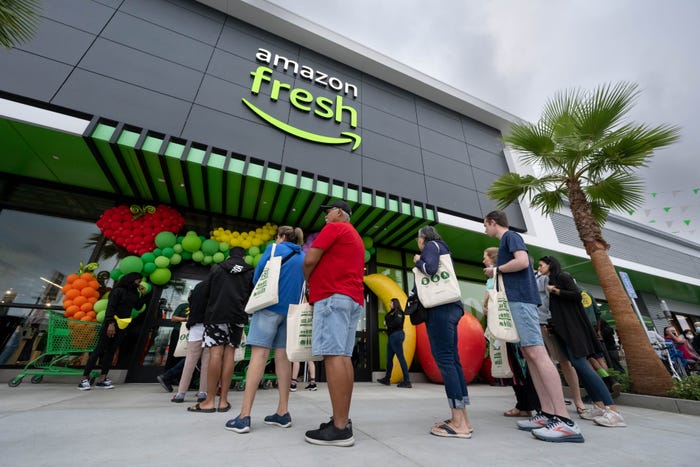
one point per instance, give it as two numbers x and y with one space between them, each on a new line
54 424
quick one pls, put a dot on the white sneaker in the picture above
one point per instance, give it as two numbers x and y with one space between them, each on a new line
610 418
538 421
558 431
84 385
592 413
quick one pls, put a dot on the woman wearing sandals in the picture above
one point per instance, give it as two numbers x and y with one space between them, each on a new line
441 326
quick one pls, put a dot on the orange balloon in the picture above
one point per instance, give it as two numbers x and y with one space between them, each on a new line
79 315
71 278
87 306
72 293
92 300
87 276
66 303
79 300
91 314
94 284
87 292
86 318
72 309
66 288
79 284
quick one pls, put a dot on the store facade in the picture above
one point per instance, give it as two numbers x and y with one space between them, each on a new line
239 118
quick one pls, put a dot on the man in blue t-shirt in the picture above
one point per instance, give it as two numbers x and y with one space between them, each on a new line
552 424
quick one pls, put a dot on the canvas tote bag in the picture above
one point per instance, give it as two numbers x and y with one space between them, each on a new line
265 292
500 322
440 288
299 330
500 365
181 347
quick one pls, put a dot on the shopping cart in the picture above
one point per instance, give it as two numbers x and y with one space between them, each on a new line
67 339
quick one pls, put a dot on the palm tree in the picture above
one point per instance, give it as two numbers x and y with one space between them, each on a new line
587 155
18 21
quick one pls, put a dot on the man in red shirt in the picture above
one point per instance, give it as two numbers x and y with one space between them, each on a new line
334 267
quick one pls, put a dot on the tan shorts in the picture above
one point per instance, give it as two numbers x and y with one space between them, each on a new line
552 345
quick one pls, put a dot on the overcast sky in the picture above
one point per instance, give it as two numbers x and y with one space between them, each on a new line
515 54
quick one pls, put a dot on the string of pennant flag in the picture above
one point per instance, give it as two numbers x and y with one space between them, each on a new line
673 211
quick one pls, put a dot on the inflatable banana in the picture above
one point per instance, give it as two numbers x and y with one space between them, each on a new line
386 289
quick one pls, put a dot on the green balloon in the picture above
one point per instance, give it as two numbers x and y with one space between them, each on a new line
198 256
165 240
191 243
248 259
207 260
100 305
256 259
175 259
223 246
186 255
209 247
168 252
162 262
177 248
131 264
368 242
148 257
149 267
218 257
157 252
253 251
160 276
367 256
100 316
115 274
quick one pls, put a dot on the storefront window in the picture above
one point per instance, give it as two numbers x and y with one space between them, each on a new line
37 253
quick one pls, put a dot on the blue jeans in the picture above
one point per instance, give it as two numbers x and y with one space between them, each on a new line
395 347
442 334
595 387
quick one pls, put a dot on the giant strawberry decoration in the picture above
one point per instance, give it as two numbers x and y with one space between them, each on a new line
136 227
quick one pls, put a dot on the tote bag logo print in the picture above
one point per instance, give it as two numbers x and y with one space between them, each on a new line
443 275
505 319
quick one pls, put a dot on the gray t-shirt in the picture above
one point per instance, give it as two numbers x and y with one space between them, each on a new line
543 310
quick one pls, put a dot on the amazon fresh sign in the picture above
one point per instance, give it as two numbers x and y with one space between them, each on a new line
303 100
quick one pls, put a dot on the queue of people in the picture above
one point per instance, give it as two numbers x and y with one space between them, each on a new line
545 304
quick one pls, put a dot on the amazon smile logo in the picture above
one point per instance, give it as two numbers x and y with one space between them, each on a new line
303 100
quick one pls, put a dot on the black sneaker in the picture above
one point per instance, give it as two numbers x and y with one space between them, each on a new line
166 385
106 384
385 381
311 386
329 435
404 384
293 385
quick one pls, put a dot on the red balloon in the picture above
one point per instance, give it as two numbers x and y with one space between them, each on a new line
471 346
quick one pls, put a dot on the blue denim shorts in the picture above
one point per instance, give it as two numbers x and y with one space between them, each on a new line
268 329
527 323
334 325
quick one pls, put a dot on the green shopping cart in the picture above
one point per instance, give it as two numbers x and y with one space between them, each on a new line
67 339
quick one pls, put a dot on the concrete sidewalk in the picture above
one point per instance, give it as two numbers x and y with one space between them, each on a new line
137 425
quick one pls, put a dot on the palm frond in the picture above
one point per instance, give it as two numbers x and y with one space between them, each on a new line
599 211
549 202
18 21
618 191
604 108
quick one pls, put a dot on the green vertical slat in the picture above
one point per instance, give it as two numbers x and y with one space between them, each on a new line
150 148
101 137
126 142
172 160
195 157
253 182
